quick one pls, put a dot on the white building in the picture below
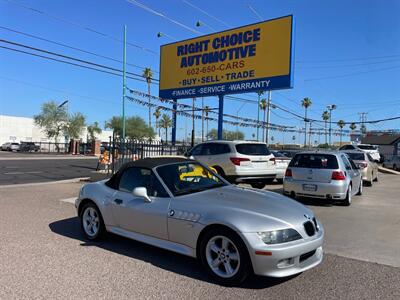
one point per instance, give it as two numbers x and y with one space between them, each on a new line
21 129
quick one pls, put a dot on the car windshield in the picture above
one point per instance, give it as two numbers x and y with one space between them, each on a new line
15 144
253 149
188 177
314 161
356 156
367 147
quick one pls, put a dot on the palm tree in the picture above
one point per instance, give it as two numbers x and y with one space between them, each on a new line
165 123
325 117
93 130
259 93
148 74
157 114
206 111
263 106
341 124
306 103
353 126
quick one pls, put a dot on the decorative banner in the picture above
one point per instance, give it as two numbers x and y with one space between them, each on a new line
241 60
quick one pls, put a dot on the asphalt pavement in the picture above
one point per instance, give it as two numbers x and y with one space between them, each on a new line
43 255
16 168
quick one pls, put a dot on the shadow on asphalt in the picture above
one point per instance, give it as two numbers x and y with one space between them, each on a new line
161 258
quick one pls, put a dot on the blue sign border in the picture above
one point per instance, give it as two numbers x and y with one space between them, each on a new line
259 84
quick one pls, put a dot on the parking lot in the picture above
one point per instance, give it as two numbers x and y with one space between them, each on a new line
43 254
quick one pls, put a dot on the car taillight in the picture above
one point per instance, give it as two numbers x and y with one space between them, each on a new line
237 160
338 175
288 173
273 160
362 165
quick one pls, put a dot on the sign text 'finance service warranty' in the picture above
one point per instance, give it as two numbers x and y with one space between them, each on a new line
246 59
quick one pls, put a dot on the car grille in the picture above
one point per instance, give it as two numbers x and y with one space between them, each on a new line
309 228
307 255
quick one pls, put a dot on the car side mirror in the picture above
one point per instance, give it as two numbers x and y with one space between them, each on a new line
142 193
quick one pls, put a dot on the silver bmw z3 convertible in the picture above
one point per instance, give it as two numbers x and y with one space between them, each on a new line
183 206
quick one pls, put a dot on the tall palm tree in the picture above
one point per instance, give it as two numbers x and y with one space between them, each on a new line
353 126
259 93
165 123
206 111
263 106
325 117
341 124
148 74
157 114
306 103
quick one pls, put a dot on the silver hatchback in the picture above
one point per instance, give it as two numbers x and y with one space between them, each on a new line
325 175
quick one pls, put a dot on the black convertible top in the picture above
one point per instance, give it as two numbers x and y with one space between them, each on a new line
148 163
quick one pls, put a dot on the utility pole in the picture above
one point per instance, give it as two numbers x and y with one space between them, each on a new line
330 108
309 135
123 85
258 114
268 110
363 119
193 103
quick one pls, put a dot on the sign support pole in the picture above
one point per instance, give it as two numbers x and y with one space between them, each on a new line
268 113
220 116
174 107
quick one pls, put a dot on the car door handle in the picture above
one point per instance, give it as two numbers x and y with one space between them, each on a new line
118 201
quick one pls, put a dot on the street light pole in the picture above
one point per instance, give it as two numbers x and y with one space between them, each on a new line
330 108
193 137
268 111
237 120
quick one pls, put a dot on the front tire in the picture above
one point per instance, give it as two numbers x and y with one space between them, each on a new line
360 189
224 256
92 223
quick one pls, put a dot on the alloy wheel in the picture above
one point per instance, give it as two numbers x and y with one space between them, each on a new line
91 221
223 256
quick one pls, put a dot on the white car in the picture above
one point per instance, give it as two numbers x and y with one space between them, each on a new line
370 149
238 161
282 162
392 163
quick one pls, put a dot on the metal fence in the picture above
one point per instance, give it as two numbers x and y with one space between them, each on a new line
122 151
53 148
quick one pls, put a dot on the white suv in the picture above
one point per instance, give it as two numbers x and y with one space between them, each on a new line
238 161
370 149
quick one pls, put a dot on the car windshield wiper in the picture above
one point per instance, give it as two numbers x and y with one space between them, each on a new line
199 189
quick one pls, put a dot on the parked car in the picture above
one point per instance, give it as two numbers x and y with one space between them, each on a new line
323 174
370 149
10 147
367 165
183 206
238 161
393 163
281 163
29 147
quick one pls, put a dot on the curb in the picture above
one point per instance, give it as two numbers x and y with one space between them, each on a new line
72 180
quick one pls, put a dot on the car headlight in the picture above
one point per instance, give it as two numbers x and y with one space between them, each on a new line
279 236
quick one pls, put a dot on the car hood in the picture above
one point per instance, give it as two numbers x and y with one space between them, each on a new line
249 209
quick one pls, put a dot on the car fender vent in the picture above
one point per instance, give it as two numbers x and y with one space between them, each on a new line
309 228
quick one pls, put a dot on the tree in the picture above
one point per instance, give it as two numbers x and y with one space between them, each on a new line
353 126
136 127
148 74
306 103
75 125
259 93
325 117
263 106
93 130
165 123
228 135
52 120
341 124
206 112
157 114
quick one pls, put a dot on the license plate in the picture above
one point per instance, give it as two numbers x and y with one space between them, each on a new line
309 187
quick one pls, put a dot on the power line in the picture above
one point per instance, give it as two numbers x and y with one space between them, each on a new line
69 63
255 12
70 47
347 59
71 58
159 14
206 13
352 65
84 27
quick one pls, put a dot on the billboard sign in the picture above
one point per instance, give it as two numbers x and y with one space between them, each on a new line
245 59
